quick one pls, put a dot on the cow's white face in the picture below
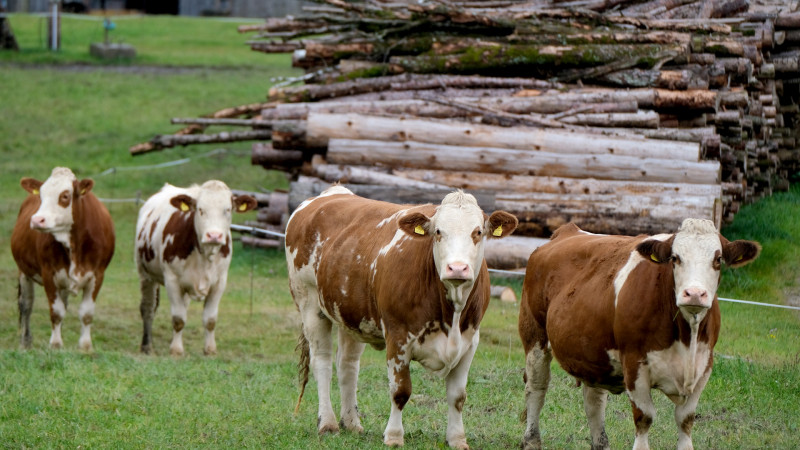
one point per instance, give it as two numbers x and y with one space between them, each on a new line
696 253
213 207
57 195
459 230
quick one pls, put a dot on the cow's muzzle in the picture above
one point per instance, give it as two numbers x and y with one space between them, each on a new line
694 300
213 238
457 273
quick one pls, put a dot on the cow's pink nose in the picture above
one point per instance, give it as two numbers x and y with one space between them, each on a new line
457 271
37 222
694 296
215 237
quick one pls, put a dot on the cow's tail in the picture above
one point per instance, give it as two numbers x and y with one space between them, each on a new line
302 366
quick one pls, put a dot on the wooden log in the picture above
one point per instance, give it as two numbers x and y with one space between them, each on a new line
607 214
255 123
322 127
507 183
511 252
641 119
257 242
365 175
423 108
265 155
161 142
411 154
503 293
307 187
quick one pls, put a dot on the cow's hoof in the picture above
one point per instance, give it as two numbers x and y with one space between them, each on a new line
26 343
329 428
86 347
393 440
147 349
176 351
459 444
210 351
56 345
531 445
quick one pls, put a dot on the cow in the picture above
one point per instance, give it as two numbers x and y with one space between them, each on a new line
625 314
408 279
64 240
183 242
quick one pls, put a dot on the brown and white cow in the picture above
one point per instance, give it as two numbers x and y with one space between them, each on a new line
410 279
183 241
625 314
64 240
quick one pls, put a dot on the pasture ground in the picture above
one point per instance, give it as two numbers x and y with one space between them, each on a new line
116 397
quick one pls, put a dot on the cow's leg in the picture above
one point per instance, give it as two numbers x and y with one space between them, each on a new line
317 330
594 403
456 382
537 380
57 298
348 357
86 312
210 311
685 412
642 402
178 306
147 308
397 361
25 299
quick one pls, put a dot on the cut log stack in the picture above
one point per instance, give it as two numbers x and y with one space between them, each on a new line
622 116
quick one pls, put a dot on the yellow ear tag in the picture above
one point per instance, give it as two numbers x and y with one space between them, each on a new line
83 192
243 206
498 231
741 257
184 207
654 258
35 192
419 230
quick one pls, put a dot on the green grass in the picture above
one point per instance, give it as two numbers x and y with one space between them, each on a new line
245 396
159 40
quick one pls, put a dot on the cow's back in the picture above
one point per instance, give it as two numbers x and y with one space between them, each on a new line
569 292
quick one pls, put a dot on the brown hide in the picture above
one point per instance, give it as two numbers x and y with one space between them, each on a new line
91 239
406 293
569 292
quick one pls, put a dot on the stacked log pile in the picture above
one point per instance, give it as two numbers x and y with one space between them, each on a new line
622 116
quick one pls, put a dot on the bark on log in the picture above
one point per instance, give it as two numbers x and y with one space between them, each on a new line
307 187
504 183
640 119
166 141
322 127
504 293
511 252
252 241
365 175
265 155
411 154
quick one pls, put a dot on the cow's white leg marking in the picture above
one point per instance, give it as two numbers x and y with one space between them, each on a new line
210 311
397 362
643 409
58 310
86 315
685 412
456 383
147 308
348 358
537 373
594 403
25 301
177 306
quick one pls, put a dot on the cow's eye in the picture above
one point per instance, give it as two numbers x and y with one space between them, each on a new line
480 232
675 259
438 232
719 260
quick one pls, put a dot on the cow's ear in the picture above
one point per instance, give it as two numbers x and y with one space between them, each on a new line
183 202
655 250
31 185
739 253
244 203
415 224
501 224
84 186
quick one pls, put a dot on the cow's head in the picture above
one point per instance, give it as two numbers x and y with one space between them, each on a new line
696 253
57 195
458 229
213 206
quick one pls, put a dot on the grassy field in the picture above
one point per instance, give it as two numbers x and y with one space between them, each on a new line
245 396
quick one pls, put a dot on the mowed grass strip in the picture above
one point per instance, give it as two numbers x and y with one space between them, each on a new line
245 397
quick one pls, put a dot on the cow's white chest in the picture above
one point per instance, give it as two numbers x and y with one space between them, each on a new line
440 353
197 275
666 368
